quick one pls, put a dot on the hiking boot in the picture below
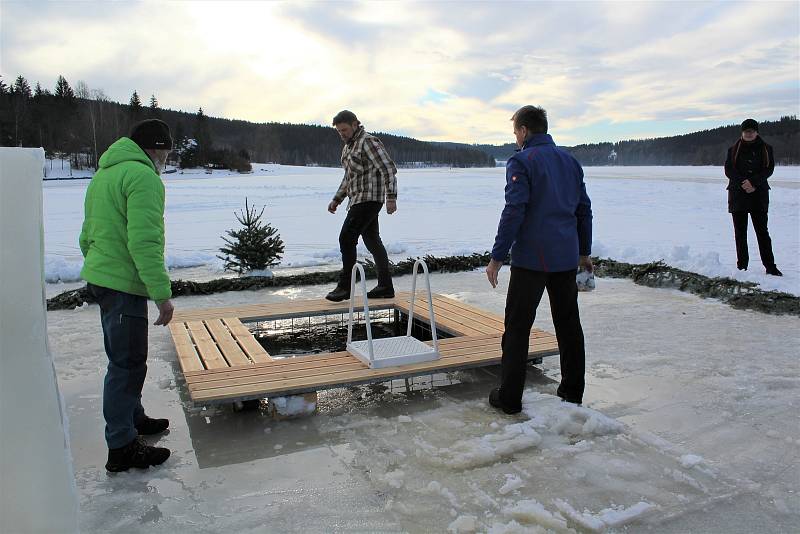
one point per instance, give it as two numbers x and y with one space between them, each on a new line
741 266
135 454
774 271
381 292
339 294
148 426
494 400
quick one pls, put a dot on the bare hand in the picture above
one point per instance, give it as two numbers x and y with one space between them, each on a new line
391 206
585 262
748 186
332 206
165 310
492 270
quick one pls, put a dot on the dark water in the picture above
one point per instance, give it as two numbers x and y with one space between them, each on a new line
314 339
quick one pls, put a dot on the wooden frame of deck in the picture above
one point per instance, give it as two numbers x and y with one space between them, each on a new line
223 362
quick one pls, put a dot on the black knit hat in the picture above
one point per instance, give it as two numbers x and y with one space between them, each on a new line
152 133
750 124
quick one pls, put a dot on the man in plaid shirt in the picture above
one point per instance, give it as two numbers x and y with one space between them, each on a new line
369 177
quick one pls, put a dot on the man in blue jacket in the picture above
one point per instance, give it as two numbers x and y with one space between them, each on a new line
547 226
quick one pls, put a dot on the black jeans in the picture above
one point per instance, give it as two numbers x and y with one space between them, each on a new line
124 319
525 291
762 235
362 220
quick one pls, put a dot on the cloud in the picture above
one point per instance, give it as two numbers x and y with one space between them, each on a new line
439 71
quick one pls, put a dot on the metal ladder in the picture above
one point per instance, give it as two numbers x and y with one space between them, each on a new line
392 351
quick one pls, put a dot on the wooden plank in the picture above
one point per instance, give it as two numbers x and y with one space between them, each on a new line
227 344
284 310
204 343
453 342
245 338
188 358
287 387
456 308
323 373
451 324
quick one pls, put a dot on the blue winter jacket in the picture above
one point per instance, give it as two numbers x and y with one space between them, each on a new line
547 220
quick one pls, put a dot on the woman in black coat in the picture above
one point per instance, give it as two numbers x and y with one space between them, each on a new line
749 164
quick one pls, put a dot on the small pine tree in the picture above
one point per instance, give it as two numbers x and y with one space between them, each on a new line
135 103
153 102
255 246
63 90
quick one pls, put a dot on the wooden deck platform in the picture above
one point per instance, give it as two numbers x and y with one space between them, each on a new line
223 362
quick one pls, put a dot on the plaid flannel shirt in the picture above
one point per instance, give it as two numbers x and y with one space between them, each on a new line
369 172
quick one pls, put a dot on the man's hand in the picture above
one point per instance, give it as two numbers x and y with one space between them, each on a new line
333 205
585 262
165 310
491 271
748 187
391 206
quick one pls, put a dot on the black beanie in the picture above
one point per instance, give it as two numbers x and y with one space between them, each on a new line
152 133
750 124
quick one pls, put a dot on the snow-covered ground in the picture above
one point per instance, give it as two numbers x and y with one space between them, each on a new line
690 425
641 214
690 422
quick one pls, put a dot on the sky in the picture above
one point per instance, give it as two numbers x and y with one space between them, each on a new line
441 71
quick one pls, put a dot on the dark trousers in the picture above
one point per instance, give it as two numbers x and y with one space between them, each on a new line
525 291
762 235
124 320
362 220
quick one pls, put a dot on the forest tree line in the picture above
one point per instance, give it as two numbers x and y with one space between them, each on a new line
79 123
707 147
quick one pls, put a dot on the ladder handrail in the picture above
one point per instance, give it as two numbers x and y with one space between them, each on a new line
421 263
357 268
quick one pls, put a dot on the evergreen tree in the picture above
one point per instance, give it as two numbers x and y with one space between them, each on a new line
135 103
38 91
3 87
153 102
255 246
63 90
22 87
202 135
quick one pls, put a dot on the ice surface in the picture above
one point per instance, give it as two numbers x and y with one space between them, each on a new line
642 214
669 376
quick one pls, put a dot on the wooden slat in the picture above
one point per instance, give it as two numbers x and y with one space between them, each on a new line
283 310
249 345
188 358
227 344
209 353
452 324
291 386
446 308
346 362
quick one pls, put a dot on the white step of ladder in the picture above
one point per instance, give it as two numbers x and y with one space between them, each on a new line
392 351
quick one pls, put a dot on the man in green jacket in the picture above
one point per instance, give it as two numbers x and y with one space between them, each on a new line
122 241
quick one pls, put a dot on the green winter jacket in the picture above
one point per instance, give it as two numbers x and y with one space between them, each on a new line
122 239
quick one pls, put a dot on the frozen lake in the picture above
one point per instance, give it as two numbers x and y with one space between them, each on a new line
690 425
641 214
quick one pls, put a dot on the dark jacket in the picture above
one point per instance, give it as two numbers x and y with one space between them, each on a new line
749 161
547 219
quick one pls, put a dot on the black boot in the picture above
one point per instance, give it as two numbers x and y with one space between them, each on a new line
135 454
384 289
496 402
339 294
774 271
381 292
147 426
